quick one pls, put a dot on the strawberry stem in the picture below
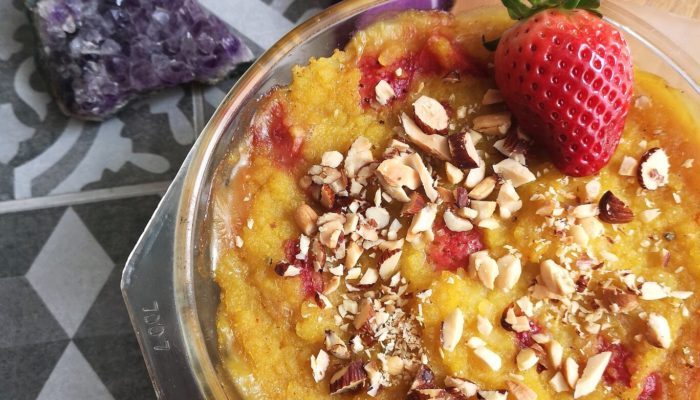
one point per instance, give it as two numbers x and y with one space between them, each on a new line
518 10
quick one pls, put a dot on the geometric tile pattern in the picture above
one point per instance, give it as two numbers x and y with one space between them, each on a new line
64 330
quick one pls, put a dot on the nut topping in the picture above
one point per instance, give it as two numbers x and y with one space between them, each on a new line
613 210
431 113
348 378
658 331
305 218
493 124
591 374
436 145
485 267
556 352
627 166
513 171
492 96
491 359
454 175
414 205
319 365
359 155
451 330
353 252
455 223
558 383
415 161
475 175
462 149
618 301
484 188
466 387
570 370
520 391
483 325
509 269
364 315
508 200
653 169
388 262
287 269
336 346
526 359
384 92
556 278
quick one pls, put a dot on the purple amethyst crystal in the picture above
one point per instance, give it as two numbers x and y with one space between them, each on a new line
100 54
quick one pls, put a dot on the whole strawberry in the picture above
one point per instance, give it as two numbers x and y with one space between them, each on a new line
566 76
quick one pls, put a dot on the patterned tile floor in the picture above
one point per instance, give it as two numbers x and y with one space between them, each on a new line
74 198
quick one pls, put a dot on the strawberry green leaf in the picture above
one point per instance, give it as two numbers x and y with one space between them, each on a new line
519 10
490 45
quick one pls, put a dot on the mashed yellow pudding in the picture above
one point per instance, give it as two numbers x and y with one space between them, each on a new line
391 233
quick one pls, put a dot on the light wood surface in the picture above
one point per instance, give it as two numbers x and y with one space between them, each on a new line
686 8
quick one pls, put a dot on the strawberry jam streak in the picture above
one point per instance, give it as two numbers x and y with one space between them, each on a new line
271 134
450 250
618 369
437 56
653 388
311 281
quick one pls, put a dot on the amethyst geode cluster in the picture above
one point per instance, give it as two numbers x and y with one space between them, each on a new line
100 54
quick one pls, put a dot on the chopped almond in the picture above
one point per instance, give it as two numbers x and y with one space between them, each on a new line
336 346
520 391
508 200
305 218
348 378
462 150
416 162
628 166
455 223
384 92
454 174
570 370
484 267
395 172
653 169
556 352
451 330
592 374
475 175
493 124
558 383
483 325
359 155
353 251
526 359
465 387
436 145
513 171
509 270
492 96
414 205
491 359
431 113
484 188
319 365
424 219
658 331
556 279
584 211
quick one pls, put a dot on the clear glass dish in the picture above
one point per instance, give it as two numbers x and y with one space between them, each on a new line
170 295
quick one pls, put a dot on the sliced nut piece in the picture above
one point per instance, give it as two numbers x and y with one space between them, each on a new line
455 223
364 315
332 285
306 217
423 221
592 190
628 166
493 124
416 162
653 169
491 359
431 113
526 359
336 346
653 291
613 210
327 197
436 145
353 251
359 155
319 365
489 223
658 331
520 391
484 188
579 234
558 383
465 387
380 215
287 270
556 278
513 171
515 145
584 211
508 200
424 379
468 213
369 278
388 262
395 172
384 92
492 395
475 175
461 197
348 378
394 365
492 96
485 209
322 301
414 205
464 154
556 352
509 270
451 331
475 342
650 215
318 255
454 174
570 371
375 378
331 159
591 374
483 325
484 267
514 322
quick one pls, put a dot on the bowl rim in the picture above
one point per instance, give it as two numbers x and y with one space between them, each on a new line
201 159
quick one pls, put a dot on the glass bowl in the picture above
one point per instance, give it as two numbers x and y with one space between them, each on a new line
167 282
